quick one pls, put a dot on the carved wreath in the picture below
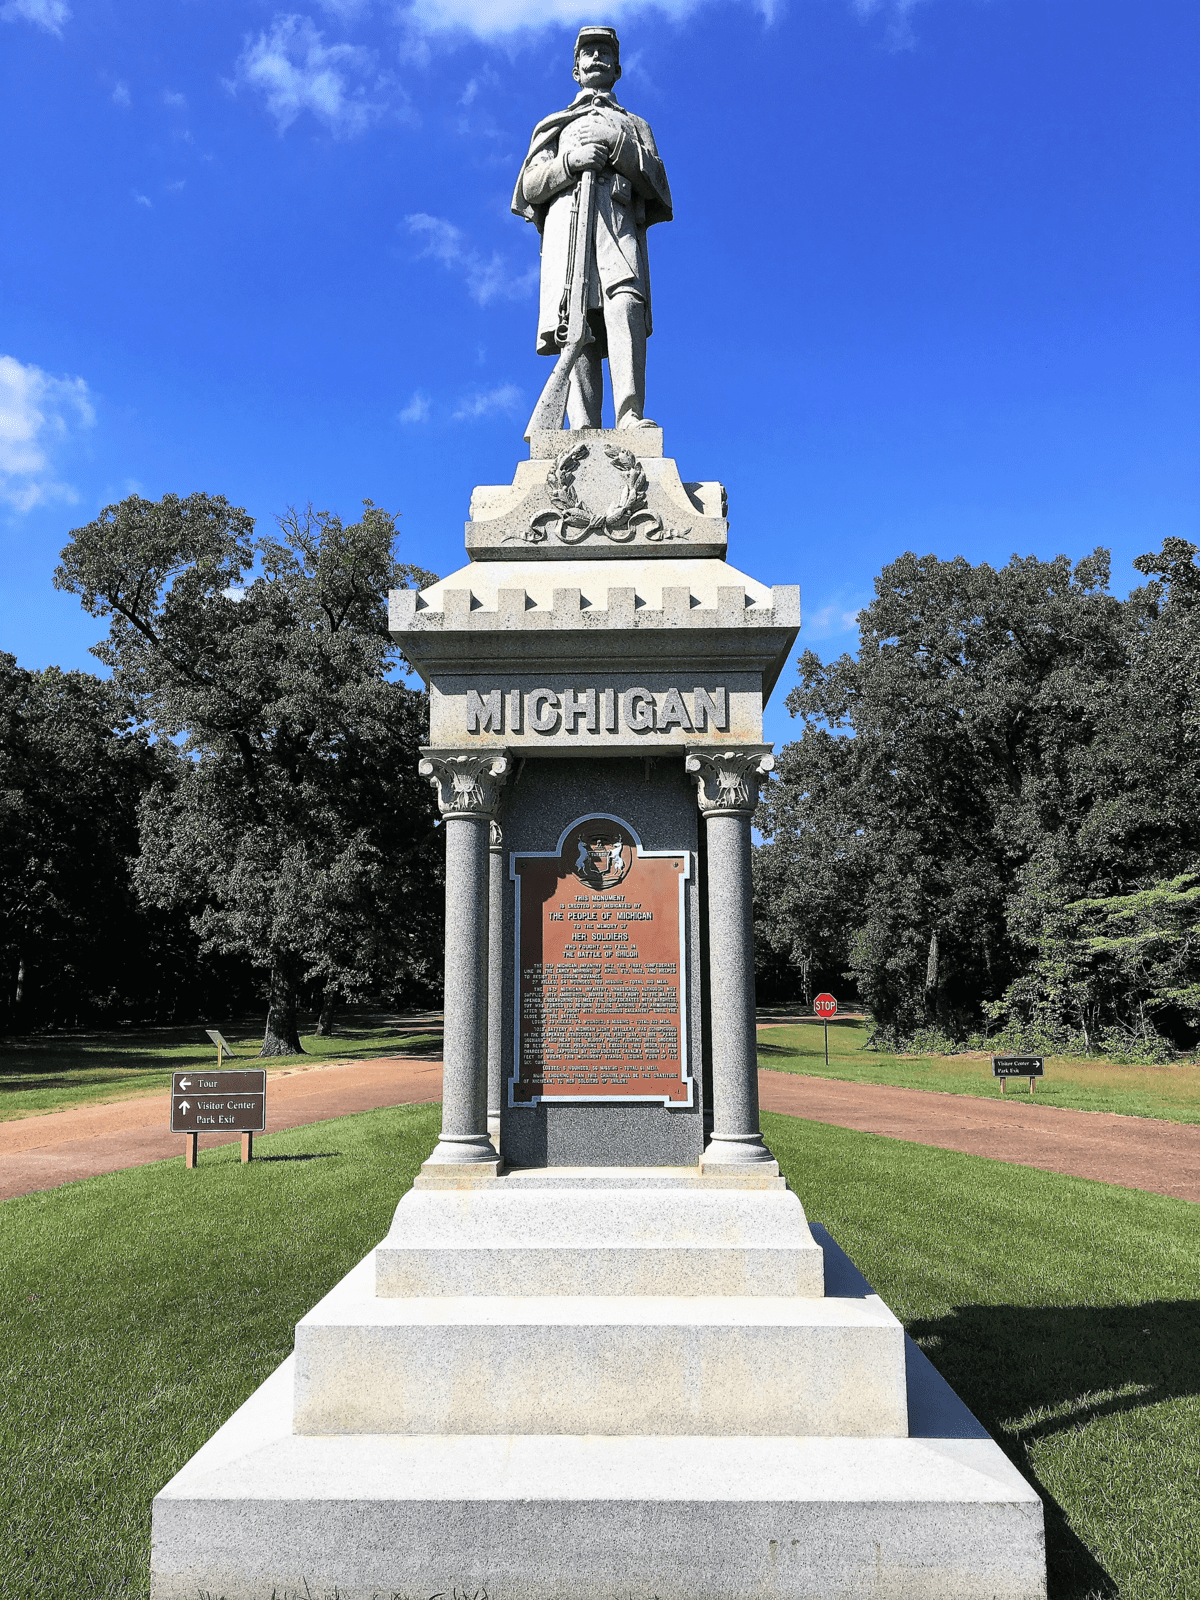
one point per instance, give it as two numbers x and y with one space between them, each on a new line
571 522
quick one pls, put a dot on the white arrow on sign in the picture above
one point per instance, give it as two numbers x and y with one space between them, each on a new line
183 1106
185 1083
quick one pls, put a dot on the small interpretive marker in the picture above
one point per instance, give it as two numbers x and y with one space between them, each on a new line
222 1043
1031 1067
825 1007
219 1102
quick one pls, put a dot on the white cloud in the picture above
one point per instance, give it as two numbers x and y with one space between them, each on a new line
490 19
120 95
296 71
900 35
417 409
37 412
143 200
487 278
49 14
503 401
174 100
832 620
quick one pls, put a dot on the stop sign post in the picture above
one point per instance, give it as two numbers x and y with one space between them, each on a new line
825 1006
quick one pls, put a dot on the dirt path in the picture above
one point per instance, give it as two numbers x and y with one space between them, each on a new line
1132 1152
42 1152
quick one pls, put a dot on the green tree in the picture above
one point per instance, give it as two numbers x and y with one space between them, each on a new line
74 942
933 767
1138 805
1120 964
295 823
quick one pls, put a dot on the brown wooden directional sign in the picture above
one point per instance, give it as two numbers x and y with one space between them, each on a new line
219 1102
1017 1067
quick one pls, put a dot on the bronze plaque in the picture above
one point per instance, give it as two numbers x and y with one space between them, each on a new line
601 977
219 1102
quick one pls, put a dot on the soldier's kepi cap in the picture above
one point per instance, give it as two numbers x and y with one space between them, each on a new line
599 35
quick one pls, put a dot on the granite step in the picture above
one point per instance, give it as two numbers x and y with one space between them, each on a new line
511 1240
942 1515
597 1364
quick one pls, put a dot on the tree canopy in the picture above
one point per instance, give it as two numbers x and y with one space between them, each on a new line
75 943
1006 743
293 824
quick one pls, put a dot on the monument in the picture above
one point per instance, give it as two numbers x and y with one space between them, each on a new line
601 1352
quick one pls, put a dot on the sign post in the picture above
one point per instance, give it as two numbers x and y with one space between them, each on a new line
1006 1067
218 1102
825 1006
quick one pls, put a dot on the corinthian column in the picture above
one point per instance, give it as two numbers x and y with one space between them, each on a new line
495 979
468 790
727 785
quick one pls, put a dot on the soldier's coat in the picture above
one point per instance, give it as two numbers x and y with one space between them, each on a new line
631 195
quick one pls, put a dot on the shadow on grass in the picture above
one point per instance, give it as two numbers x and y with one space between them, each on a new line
317 1155
1032 1372
113 1055
802 1053
853 1024
424 1049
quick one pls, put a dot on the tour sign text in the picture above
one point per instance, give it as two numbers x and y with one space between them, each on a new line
219 1102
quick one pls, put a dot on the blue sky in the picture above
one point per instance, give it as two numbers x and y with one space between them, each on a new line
932 282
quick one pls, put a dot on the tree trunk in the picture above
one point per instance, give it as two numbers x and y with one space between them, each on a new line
281 1037
20 994
931 975
325 1020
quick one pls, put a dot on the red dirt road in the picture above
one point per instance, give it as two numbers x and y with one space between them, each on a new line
42 1152
1132 1152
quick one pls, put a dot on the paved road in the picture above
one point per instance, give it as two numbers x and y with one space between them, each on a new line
1134 1152
42 1152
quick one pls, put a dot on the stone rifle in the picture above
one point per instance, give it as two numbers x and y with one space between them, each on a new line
574 331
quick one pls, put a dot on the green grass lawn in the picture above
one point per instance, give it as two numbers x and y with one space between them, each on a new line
48 1072
1170 1092
139 1309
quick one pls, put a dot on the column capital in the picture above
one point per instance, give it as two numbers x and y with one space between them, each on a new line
727 780
467 784
495 836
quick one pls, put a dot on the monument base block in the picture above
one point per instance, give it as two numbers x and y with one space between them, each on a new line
263 1512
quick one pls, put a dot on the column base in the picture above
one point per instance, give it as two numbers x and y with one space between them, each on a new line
465 1155
738 1150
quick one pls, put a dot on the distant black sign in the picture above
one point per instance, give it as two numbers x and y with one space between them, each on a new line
1013 1067
219 1102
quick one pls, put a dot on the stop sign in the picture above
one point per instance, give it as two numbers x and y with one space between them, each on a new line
825 1005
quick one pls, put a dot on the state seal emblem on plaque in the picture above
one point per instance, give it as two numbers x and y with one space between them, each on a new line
602 855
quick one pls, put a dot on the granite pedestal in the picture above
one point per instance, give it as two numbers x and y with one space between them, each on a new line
601 1354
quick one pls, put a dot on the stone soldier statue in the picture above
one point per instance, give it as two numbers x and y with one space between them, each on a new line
628 192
